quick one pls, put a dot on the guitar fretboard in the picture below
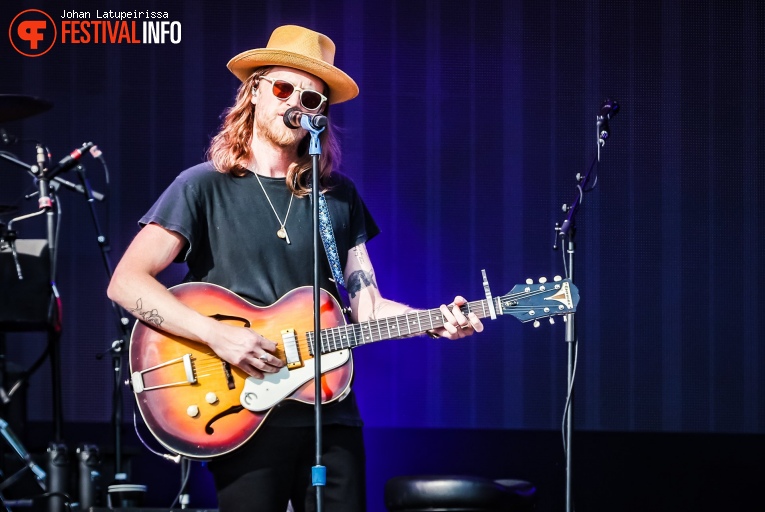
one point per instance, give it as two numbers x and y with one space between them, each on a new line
400 326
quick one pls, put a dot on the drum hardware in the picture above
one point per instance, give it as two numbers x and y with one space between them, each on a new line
46 175
18 106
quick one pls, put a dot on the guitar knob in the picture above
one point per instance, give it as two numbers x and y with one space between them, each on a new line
211 398
192 411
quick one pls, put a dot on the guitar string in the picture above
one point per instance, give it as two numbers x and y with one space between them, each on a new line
330 335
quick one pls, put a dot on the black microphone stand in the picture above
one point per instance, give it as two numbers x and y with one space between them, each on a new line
45 207
44 178
318 472
568 231
118 346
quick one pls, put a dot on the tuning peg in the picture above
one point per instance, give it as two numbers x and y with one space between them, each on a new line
536 323
557 278
552 322
542 280
529 281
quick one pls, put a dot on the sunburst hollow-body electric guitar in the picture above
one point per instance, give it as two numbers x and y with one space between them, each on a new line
199 406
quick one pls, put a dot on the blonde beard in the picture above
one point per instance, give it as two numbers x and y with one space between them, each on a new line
282 136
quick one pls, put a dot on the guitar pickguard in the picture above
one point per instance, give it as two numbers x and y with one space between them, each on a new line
259 395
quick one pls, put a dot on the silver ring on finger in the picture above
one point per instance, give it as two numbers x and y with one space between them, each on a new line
263 357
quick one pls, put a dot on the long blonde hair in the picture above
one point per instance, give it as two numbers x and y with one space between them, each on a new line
230 150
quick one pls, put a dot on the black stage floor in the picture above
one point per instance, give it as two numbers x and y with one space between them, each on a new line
613 471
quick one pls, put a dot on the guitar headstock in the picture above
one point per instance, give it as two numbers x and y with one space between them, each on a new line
531 302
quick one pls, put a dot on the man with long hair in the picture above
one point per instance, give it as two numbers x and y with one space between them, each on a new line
243 220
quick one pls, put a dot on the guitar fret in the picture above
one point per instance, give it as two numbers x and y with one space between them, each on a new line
379 330
387 324
369 328
398 327
419 322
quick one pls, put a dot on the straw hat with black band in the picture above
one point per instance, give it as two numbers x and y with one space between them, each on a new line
299 48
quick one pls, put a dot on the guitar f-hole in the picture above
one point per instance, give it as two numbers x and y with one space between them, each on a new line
227 367
231 410
219 317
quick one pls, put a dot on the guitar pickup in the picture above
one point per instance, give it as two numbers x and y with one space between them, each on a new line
291 352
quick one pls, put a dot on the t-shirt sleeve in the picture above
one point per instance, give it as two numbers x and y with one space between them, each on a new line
176 210
363 225
352 222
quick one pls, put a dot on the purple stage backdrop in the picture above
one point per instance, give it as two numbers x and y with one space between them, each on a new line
473 120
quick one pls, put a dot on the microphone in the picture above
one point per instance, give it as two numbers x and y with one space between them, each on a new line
293 115
608 109
68 161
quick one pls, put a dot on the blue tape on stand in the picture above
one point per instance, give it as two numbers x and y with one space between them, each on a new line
318 475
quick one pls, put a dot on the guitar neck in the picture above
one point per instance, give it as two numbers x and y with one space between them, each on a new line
400 326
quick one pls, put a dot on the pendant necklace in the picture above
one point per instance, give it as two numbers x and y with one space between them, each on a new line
282 232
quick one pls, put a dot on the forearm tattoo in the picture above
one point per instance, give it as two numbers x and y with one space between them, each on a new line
359 255
150 317
358 280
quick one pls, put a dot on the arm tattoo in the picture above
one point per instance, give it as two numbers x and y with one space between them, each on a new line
150 317
358 280
359 255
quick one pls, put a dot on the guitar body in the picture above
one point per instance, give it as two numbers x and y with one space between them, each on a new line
199 406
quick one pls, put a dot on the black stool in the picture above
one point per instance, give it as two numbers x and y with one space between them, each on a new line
435 493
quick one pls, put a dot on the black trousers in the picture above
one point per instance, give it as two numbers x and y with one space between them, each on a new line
275 467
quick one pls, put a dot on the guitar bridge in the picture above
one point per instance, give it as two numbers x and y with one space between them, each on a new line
136 378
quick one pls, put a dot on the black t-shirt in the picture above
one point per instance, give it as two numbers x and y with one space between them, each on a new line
230 230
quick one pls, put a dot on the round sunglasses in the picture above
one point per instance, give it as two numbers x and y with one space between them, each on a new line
309 99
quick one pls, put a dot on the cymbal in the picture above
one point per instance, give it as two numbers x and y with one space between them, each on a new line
19 106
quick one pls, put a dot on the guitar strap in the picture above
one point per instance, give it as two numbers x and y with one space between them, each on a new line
330 248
